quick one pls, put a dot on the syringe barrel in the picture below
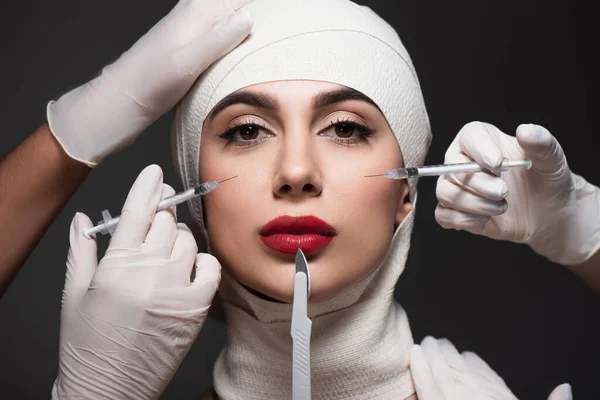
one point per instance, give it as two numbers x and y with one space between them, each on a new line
436 170
462 168
176 199
516 163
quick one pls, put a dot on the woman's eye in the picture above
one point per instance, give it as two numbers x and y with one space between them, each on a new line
246 134
347 132
344 130
249 132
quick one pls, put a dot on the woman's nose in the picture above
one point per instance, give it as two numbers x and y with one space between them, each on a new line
298 173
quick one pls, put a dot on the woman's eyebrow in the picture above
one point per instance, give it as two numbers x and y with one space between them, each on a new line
265 101
335 96
251 99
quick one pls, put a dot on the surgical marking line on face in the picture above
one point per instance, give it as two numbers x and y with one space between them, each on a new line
268 102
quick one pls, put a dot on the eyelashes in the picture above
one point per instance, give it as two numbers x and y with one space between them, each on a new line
342 131
350 128
236 133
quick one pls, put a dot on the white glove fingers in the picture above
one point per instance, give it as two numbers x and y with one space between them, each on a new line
453 196
561 392
443 374
163 230
454 219
179 309
422 375
453 357
185 308
237 4
542 148
454 155
82 261
226 35
475 362
432 350
476 142
184 250
139 210
191 18
481 184
207 278
478 366
224 8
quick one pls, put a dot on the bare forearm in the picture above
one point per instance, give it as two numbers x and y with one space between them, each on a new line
589 271
36 181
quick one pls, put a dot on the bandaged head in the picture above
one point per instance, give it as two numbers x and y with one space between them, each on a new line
333 41
344 43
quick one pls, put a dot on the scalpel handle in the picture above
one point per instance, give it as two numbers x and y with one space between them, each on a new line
301 332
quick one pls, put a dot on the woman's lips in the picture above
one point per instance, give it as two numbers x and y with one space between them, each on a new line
288 234
289 244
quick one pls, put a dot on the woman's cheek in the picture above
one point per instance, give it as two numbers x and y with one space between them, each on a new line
238 210
367 194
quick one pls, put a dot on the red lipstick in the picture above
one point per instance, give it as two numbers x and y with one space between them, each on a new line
287 234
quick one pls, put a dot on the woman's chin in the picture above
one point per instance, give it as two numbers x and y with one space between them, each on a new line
281 288
272 278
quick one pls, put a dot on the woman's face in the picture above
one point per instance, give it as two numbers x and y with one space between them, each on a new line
301 150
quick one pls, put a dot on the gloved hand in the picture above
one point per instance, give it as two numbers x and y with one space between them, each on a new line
128 322
548 207
439 372
109 112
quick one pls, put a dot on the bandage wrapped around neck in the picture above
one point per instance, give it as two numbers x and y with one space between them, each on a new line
340 42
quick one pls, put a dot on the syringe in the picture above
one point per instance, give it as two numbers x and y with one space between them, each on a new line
447 169
109 224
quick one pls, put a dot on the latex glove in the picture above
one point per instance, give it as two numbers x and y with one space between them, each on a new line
439 372
128 322
109 113
548 207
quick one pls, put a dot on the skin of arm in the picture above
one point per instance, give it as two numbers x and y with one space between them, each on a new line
589 271
36 180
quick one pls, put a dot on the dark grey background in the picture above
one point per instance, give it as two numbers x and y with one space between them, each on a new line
504 62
